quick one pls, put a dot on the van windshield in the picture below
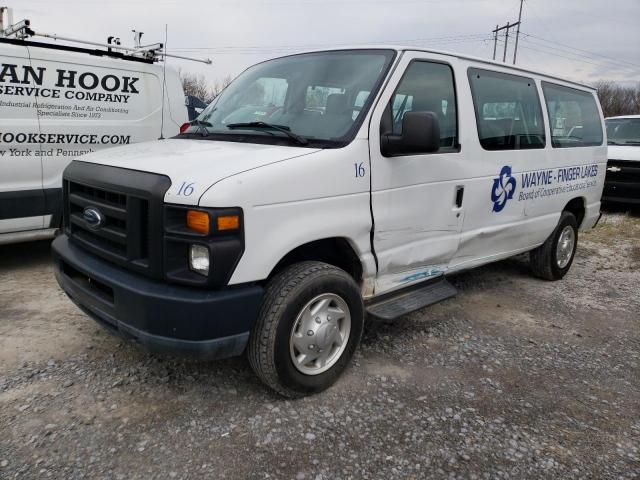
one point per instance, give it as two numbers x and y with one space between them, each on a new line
623 131
315 99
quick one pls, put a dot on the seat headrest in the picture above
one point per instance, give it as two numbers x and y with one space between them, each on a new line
336 104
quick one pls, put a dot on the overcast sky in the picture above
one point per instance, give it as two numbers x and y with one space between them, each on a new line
583 40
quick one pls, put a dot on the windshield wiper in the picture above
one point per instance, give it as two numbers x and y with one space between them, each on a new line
611 142
264 125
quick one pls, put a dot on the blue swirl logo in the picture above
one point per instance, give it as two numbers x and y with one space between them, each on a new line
503 189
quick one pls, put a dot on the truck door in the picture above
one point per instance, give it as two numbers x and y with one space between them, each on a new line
417 199
22 201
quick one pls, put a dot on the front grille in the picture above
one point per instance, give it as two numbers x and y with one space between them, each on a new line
122 215
130 204
624 171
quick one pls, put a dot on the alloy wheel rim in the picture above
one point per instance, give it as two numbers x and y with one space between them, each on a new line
564 249
320 334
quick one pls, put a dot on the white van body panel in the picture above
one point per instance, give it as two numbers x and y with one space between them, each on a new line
288 204
66 104
400 216
198 164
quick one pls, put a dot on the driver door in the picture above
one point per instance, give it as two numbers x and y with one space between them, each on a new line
417 199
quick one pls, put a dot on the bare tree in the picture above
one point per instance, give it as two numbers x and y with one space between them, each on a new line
198 86
618 99
220 84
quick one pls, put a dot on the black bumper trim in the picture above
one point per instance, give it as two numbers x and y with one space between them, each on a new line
629 200
203 323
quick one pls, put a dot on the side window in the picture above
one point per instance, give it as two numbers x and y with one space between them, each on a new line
508 111
427 87
574 116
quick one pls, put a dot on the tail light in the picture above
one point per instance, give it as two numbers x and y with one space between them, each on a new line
184 127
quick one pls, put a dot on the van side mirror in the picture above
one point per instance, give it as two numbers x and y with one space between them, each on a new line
420 134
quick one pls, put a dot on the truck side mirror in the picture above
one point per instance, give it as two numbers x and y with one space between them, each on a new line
420 134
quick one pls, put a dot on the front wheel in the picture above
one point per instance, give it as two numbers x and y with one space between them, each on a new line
554 257
308 329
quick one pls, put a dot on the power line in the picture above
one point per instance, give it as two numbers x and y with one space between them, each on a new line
249 49
589 54
569 55
552 40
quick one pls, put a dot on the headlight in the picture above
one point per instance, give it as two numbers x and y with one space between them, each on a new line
199 259
202 246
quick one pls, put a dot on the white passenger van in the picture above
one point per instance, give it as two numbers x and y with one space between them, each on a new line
322 186
59 102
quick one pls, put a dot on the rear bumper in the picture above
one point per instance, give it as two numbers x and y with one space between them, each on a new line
202 323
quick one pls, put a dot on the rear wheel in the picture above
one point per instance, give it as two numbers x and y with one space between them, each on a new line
554 257
309 326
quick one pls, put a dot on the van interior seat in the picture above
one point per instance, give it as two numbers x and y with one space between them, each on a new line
493 129
336 104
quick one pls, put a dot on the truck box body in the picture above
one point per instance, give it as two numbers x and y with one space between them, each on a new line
57 104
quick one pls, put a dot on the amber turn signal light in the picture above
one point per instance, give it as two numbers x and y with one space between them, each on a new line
228 222
198 221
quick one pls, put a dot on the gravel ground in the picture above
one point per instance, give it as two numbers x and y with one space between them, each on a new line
513 378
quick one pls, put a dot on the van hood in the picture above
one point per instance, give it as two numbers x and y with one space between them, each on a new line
194 165
624 152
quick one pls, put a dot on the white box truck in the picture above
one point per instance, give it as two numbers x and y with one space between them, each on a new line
321 186
58 102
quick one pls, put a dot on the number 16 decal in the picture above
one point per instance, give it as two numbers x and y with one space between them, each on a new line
186 189
360 171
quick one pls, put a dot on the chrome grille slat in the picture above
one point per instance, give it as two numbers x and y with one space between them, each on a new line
84 201
114 234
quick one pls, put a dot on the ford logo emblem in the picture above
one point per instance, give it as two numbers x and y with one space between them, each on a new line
93 218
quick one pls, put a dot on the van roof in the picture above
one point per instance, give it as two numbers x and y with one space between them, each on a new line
488 62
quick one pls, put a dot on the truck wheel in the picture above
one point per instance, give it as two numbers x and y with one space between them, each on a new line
309 326
554 257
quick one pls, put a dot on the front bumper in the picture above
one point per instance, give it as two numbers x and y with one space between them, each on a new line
621 192
203 323
622 183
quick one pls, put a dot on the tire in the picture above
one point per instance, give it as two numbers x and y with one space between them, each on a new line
273 340
546 262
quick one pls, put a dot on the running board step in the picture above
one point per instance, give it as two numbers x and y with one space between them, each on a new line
409 300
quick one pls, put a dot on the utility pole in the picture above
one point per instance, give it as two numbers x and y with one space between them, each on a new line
515 51
498 29
506 42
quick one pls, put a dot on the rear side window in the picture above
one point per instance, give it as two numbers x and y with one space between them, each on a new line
574 116
508 111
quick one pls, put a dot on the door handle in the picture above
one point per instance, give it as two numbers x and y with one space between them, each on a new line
459 195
